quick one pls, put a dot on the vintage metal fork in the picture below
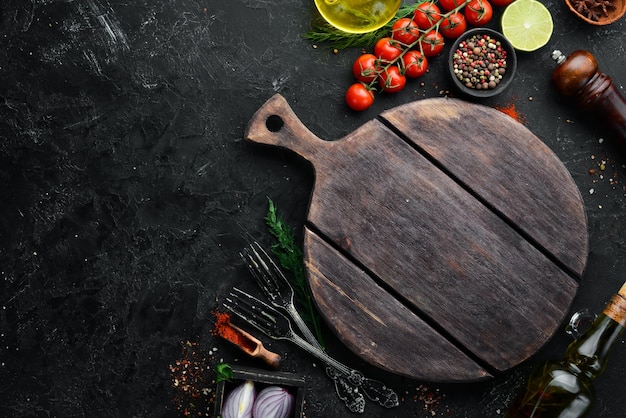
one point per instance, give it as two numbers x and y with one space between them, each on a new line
280 294
276 325
275 286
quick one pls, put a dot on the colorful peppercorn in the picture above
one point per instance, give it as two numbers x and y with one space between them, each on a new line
480 62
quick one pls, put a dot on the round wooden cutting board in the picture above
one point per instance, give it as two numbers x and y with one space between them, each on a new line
444 241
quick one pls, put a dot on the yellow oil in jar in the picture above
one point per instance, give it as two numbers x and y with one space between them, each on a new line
358 16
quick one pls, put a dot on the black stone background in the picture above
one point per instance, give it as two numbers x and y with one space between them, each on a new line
127 192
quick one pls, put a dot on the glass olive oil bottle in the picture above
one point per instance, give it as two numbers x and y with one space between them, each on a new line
564 389
358 16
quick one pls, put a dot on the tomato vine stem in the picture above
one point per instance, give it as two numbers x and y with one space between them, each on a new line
407 47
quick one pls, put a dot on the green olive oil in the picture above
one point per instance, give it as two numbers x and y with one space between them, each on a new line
358 16
564 389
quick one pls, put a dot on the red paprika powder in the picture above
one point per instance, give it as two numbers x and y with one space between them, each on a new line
223 328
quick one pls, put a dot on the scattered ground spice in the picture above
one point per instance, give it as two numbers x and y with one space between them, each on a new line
429 400
512 112
224 329
603 167
192 381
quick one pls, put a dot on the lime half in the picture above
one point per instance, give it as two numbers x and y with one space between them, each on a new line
527 24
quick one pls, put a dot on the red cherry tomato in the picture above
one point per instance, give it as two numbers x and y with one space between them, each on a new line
501 3
415 64
478 12
359 97
432 43
364 68
450 4
454 25
387 49
426 15
405 30
391 80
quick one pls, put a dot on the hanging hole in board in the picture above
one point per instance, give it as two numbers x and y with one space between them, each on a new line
274 123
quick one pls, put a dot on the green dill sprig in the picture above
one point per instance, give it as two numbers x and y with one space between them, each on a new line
290 258
338 39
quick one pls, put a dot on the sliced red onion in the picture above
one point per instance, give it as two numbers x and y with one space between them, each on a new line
273 402
240 401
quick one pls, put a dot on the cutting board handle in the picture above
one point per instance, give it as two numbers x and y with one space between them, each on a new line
276 124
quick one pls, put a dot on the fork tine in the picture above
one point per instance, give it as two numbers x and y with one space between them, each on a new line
255 271
260 270
251 300
233 308
276 287
248 259
269 266
254 305
253 310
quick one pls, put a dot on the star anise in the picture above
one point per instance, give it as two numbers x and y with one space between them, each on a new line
606 6
593 9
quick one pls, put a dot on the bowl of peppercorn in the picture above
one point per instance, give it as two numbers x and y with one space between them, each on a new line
597 12
482 63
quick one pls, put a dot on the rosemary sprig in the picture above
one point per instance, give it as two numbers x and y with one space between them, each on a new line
290 258
338 39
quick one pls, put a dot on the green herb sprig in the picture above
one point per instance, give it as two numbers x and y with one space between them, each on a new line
338 39
290 258
223 371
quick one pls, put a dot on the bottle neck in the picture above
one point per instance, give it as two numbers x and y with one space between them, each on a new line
587 356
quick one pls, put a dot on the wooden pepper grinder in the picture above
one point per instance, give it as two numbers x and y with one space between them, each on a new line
577 76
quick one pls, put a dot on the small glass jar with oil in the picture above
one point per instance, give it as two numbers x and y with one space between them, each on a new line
358 16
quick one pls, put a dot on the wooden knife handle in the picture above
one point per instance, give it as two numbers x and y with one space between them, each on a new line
276 124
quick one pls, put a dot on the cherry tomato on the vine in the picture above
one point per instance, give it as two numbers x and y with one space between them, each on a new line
405 30
426 15
432 43
391 79
364 68
450 4
414 64
501 3
454 25
478 12
359 97
387 49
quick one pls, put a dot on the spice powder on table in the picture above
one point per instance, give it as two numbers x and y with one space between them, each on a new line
511 111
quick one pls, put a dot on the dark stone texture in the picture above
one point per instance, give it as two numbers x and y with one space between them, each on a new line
127 193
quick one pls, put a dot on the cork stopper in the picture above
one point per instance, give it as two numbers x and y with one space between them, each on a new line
622 291
616 308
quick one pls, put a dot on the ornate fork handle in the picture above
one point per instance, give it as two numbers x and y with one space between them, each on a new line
348 393
354 376
373 389
344 384
378 392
